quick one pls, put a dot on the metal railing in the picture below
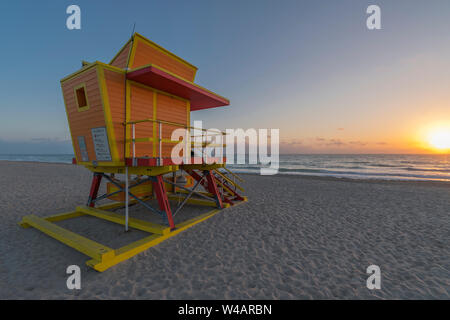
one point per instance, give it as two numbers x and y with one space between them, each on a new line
188 138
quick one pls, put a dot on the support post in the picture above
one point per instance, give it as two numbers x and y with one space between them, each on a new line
196 176
212 187
134 144
160 143
95 185
163 201
126 198
174 178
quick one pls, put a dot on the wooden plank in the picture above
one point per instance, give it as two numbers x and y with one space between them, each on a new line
56 217
121 59
132 222
63 216
199 202
88 247
147 52
114 205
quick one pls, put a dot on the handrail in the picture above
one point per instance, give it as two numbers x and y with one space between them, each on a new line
160 140
172 124
234 175
193 143
229 181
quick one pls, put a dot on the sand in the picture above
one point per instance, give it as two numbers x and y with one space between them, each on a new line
297 238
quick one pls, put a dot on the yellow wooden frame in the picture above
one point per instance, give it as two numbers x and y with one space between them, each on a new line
83 108
76 73
87 67
107 113
104 257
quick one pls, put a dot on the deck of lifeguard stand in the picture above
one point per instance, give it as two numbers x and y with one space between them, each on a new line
104 257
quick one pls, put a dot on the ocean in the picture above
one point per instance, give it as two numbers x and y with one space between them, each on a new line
386 167
362 166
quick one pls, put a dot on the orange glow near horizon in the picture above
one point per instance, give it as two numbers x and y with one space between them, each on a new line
439 138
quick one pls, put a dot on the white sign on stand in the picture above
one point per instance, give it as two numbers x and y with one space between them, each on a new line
101 145
83 149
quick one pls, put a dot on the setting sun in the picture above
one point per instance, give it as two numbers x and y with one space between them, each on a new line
440 138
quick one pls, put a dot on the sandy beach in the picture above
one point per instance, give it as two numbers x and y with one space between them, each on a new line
298 237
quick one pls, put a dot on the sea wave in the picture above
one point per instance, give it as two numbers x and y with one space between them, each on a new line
392 169
387 167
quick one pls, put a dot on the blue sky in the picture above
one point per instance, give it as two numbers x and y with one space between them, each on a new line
310 68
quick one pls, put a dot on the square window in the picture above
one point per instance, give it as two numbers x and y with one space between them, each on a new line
81 97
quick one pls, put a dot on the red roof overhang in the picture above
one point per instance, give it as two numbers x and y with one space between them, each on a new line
199 97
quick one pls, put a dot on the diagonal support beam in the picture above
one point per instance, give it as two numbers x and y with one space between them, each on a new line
163 201
189 190
106 195
212 187
133 196
196 176
188 196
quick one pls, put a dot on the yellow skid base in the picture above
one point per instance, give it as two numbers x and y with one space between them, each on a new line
102 256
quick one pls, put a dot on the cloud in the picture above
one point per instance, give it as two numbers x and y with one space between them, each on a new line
293 142
335 142
324 145
358 143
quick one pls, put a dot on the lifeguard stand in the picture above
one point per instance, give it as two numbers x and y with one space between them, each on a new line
121 117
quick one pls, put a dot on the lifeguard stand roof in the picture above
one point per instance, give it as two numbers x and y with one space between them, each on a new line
167 72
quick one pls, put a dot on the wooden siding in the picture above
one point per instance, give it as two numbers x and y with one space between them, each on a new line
142 108
81 122
115 87
122 58
146 53
173 110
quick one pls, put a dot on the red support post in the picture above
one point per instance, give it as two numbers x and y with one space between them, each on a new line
225 199
196 176
163 201
236 195
212 187
95 185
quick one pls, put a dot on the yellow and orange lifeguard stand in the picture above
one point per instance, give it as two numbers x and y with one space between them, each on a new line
121 117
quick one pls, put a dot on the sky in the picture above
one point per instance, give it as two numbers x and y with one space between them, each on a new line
309 68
